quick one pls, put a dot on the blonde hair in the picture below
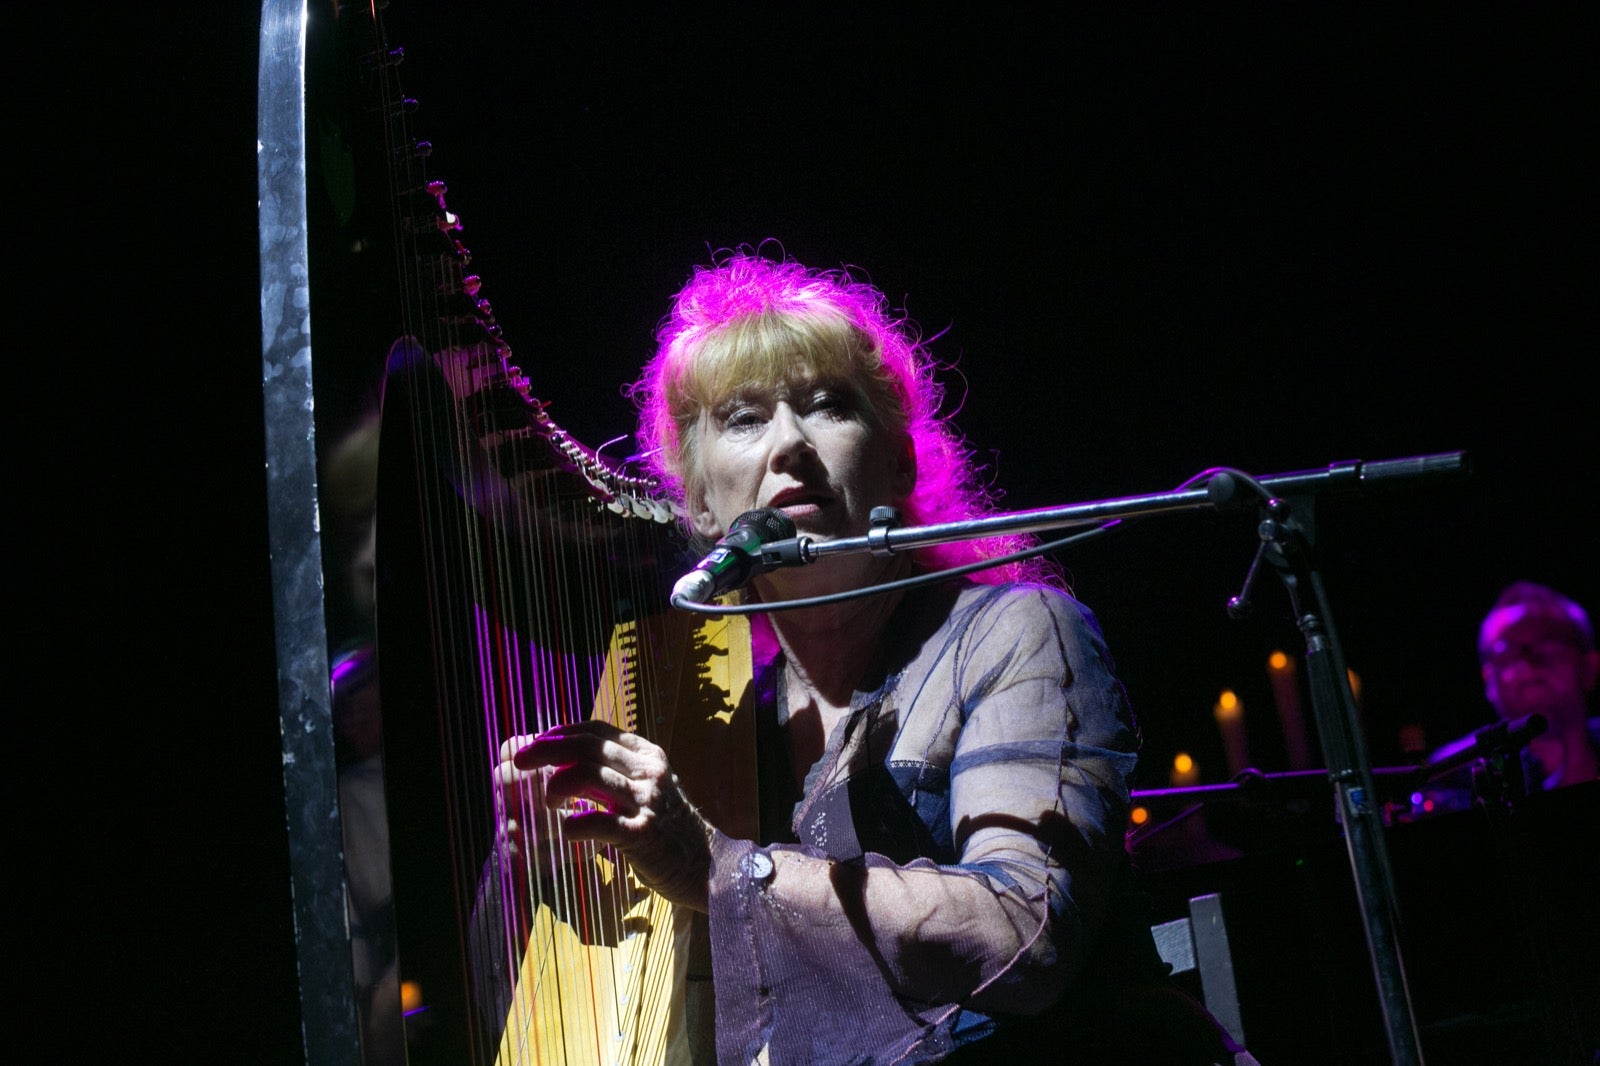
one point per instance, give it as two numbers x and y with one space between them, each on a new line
748 318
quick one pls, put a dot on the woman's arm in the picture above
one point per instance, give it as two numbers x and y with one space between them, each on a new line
1038 801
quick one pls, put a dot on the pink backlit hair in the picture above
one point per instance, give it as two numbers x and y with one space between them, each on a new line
750 317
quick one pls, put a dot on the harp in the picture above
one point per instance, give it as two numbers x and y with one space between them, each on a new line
521 581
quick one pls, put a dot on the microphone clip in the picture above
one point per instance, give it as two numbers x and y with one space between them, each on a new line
756 542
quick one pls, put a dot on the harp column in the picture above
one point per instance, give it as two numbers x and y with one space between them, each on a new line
329 1025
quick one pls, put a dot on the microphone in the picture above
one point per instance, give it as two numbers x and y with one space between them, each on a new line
737 557
1497 738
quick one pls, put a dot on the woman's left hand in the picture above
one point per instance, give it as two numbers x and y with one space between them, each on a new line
629 798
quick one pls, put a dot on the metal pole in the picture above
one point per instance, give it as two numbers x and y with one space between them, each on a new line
329 1025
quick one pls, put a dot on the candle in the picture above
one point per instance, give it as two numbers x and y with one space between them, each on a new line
1185 771
1229 713
1286 694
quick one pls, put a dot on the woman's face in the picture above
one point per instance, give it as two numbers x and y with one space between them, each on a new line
804 447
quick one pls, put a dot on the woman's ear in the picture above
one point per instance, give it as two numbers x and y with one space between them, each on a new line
905 470
702 518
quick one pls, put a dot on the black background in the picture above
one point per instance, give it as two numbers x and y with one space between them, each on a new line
1151 240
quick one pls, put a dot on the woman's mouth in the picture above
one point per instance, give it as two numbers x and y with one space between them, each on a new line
797 503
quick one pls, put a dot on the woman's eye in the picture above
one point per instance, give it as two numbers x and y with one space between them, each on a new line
826 401
741 417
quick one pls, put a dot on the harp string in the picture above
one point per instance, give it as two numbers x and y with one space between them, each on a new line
533 549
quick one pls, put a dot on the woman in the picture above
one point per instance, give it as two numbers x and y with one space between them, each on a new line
943 771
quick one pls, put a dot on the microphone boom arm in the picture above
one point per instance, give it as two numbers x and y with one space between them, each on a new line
1220 492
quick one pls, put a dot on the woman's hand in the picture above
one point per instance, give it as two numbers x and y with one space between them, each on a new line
617 788
522 799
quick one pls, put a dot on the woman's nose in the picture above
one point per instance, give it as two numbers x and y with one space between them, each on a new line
790 442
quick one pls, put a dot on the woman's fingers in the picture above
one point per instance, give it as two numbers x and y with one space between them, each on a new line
617 788
594 744
520 791
511 745
507 775
602 785
590 729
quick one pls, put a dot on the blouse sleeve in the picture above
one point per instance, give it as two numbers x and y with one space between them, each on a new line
818 960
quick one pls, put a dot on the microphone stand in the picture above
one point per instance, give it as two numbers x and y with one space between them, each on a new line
1287 547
